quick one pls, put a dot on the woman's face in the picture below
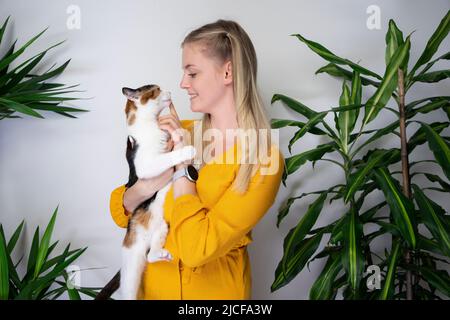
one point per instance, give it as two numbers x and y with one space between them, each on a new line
203 78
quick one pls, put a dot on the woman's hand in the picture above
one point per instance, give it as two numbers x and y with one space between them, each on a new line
144 189
171 123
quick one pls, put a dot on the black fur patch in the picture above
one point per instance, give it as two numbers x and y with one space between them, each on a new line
132 147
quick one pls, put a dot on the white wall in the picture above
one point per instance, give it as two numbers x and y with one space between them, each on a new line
76 163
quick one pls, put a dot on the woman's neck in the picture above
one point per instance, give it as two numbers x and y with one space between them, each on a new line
224 118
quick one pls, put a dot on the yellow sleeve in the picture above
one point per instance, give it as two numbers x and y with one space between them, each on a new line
201 234
119 214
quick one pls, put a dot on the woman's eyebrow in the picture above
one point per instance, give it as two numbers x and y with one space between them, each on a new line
188 66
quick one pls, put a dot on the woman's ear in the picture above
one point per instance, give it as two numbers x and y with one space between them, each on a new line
228 76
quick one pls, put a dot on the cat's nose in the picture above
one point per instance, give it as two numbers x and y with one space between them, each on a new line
166 95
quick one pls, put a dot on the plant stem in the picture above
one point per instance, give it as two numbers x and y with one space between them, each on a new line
405 168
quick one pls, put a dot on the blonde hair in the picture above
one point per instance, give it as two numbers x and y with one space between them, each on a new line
227 41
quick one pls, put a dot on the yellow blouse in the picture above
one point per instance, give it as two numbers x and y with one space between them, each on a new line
208 234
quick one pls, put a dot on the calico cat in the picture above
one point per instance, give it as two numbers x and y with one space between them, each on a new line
146 156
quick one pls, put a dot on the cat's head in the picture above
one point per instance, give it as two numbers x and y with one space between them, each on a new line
150 97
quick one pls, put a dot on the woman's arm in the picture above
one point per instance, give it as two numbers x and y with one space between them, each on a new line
144 189
123 200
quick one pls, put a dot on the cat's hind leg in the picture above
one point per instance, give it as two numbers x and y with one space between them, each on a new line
133 264
157 241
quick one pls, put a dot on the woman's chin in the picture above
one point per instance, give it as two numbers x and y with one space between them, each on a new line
195 108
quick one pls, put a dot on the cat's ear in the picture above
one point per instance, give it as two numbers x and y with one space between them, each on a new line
131 94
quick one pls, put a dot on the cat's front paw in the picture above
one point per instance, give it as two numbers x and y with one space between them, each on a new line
188 153
159 255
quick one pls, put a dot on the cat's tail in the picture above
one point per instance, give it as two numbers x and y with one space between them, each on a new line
110 288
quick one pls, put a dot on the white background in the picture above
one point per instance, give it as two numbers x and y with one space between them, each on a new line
76 163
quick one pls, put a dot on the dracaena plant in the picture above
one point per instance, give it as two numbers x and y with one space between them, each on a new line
45 277
22 91
417 227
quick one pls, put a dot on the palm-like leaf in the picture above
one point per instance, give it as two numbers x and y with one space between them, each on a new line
23 92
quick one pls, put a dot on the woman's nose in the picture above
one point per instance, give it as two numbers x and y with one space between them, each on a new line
184 83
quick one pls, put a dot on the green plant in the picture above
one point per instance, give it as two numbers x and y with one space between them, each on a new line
45 277
409 269
24 92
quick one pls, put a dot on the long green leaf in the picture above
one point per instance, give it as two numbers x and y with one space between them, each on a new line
8 54
33 251
357 179
34 287
427 244
439 279
297 234
12 242
436 178
306 128
281 123
331 57
334 70
434 76
295 162
433 216
73 294
45 242
420 136
3 28
401 207
17 77
294 105
15 283
54 107
433 43
19 107
355 97
283 212
322 288
439 147
437 103
388 84
388 287
412 104
34 80
297 262
12 75
5 62
394 39
345 118
4 270
352 258
445 56
389 129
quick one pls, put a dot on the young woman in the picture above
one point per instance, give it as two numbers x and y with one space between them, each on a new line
210 219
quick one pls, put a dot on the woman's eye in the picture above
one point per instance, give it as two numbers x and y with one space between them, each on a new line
192 75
